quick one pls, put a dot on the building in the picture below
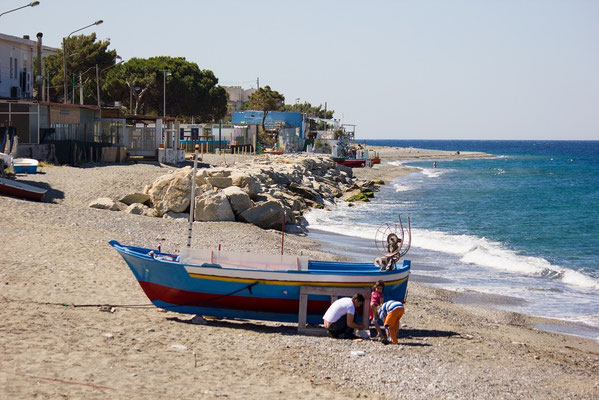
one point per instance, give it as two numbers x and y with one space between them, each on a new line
17 56
238 96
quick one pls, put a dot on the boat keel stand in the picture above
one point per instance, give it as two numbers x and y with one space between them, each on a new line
334 293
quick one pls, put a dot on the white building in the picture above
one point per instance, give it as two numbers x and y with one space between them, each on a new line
17 56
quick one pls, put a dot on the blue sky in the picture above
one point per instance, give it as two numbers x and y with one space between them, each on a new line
475 69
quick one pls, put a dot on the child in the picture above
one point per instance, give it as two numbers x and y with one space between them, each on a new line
390 312
376 299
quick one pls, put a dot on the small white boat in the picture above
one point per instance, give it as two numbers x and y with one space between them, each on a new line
25 165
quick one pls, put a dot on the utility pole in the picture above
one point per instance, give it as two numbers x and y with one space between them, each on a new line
80 89
258 83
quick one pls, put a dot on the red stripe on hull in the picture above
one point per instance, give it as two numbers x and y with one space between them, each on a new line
245 303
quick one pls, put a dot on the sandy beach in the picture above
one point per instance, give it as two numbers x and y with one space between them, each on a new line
76 324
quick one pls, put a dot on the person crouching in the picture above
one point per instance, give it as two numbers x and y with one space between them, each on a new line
339 318
390 313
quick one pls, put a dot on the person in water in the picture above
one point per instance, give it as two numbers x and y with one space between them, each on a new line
339 318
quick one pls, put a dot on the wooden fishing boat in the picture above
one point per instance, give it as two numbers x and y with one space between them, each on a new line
244 285
15 188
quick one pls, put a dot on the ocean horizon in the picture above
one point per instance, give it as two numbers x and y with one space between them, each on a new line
519 227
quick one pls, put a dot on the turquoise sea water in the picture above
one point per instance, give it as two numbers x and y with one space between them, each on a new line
522 227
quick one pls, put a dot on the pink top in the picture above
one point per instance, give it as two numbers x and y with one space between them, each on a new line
375 298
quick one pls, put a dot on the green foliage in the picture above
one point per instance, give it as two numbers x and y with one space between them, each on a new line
378 182
83 53
189 90
265 99
310 110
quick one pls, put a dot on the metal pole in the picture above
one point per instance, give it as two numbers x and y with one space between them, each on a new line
193 195
219 133
98 85
80 89
283 232
64 69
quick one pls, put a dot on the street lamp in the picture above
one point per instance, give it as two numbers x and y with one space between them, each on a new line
32 4
98 73
165 72
64 57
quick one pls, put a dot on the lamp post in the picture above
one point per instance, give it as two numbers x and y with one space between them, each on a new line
64 55
165 72
32 4
98 73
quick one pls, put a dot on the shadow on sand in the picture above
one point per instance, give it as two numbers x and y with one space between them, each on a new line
242 324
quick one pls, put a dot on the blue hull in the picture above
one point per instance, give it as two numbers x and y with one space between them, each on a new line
264 294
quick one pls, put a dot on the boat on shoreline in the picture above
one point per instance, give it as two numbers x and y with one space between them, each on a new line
245 285
15 188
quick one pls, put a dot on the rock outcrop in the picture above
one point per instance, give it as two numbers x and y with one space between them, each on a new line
261 192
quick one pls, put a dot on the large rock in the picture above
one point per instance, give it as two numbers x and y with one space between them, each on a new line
239 200
267 215
306 192
105 203
213 206
136 208
171 192
220 182
248 183
141 198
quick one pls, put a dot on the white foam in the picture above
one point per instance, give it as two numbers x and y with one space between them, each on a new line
470 249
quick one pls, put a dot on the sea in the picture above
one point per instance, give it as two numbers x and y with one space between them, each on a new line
517 231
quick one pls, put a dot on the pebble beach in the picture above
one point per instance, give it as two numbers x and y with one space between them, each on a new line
76 324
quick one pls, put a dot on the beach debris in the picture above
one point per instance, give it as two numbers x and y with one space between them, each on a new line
107 309
108 335
178 347
357 353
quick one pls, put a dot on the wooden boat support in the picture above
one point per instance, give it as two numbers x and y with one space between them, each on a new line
334 293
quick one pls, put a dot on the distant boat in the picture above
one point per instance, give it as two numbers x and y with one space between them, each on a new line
25 165
360 160
20 189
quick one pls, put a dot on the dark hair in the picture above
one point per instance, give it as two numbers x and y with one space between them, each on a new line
358 297
378 283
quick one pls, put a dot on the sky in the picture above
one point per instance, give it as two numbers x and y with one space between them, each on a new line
446 69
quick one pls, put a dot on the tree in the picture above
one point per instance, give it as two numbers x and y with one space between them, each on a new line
309 110
190 92
265 99
83 54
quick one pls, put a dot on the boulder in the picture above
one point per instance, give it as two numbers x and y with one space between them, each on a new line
171 193
239 200
248 183
220 182
141 198
213 206
306 192
105 203
136 208
267 215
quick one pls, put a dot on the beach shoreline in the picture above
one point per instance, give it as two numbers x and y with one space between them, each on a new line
58 270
